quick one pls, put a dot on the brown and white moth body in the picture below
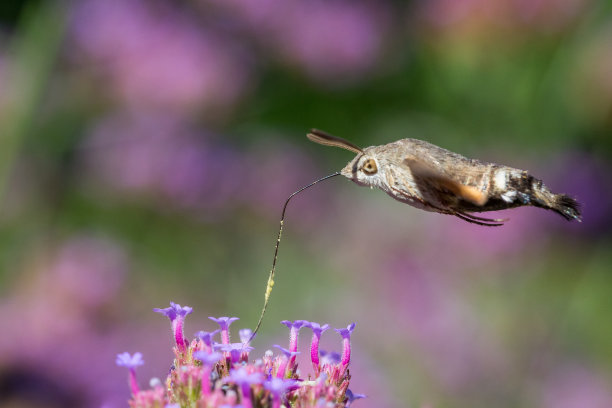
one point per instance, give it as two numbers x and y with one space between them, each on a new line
434 179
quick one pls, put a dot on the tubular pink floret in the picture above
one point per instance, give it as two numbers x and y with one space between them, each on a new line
179 337
314 351
133 382
294 330
317 330
176 313
282 367
346 343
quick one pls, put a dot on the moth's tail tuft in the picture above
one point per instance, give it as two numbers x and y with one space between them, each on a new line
564 205
568 207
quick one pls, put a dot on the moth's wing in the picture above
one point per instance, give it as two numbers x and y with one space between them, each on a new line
447 189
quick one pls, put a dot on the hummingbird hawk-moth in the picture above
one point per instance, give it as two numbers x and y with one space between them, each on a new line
434 179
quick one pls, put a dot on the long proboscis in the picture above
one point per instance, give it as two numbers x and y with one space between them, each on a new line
270 283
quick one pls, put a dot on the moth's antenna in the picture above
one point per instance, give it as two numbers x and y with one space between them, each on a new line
270 283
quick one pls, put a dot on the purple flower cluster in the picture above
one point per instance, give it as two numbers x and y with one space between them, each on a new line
156 57
161 161
211 374
327 41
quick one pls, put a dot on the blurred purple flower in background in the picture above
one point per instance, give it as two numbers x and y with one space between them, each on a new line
337 41
158 155
431 313
331 40
154 56
475 245
58 313
88 270
162 159
588 178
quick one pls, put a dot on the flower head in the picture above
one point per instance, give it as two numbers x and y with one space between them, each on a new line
131 362
242 376
207 337
235 350
317 328
297 324
224 323
175 310
176 313
346 333
126 360
206 373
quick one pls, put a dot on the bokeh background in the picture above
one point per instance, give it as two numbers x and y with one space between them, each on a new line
147 146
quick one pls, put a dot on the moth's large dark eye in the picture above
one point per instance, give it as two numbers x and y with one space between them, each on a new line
369 167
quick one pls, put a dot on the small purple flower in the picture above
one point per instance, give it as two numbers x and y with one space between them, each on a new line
125 360
295 324
207 337
176 313
241 376
131 362
346 343
352 397
224 322
317 331
207 359
244 380
235 350
175 310
278 387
